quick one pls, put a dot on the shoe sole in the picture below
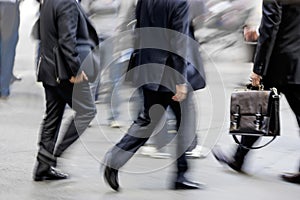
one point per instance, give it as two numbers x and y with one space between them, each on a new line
45 178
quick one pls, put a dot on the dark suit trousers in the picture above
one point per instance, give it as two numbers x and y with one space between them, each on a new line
79 98
155 104
292 94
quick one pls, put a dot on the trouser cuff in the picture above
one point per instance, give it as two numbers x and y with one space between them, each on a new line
45 157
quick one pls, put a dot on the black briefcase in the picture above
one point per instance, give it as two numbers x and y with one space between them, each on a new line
254 113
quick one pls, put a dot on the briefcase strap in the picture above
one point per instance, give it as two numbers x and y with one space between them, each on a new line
249 148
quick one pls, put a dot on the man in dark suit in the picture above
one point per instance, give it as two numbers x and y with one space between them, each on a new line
277 64
162 32
64 29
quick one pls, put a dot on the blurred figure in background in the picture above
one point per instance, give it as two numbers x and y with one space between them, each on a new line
123 45
251 26
171 90
252 23
276 64
100 7
227 14
9 35
103 15
220 34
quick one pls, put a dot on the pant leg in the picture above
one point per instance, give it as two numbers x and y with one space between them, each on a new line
292 94
186 117
139 132
189 121
55 107
162 138
78 97
241 152
116 72
9 25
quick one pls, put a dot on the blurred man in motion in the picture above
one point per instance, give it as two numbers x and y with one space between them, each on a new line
252 23
276 64
162 76
250 29
64 32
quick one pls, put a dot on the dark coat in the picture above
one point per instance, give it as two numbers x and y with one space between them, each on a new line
278 52
162 32
63 25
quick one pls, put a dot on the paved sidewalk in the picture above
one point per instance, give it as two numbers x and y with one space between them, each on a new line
143 177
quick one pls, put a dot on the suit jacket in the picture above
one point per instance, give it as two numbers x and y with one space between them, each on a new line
195 71
278 53
63 25
159 17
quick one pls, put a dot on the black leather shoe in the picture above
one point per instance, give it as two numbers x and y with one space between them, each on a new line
224 160
187 185
291 178
51 174
111 177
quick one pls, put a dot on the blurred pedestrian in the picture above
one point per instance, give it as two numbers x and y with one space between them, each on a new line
252 22
250 29
103 15
164 86
156 146
276 64
122 48
9 35
101 7
64 32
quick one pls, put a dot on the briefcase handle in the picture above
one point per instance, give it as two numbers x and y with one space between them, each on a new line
249 86
251 148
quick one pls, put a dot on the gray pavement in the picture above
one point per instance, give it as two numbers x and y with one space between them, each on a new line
143 177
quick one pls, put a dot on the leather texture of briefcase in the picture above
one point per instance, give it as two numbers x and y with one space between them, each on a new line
255 112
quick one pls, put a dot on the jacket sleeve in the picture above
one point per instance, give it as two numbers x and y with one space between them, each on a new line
268 31
180 23
67 22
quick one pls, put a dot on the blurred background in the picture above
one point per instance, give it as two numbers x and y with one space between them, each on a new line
219 27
